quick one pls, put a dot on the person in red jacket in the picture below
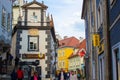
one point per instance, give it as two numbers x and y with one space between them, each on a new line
20 74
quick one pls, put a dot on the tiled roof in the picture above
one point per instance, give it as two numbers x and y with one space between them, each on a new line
82 45
72 42
82 50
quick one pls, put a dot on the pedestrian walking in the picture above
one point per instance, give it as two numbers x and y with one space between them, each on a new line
20 74
14 75
72 75
78 74
35 76
62 75
68 76
75 75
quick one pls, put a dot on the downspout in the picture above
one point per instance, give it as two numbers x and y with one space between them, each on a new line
107 49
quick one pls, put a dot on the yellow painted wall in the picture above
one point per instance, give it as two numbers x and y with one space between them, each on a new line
63 54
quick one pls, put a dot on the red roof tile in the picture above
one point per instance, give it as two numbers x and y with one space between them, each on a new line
82 49
72 41
82 45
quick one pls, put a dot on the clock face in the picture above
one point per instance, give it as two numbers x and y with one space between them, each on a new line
33 31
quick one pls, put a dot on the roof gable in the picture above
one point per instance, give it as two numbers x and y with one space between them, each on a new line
82 44
35 4
82 50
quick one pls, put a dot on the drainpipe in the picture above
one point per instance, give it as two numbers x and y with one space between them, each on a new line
107 49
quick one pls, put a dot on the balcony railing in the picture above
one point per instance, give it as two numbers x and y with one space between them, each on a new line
30 23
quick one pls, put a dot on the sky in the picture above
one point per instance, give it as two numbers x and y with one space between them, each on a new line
67 17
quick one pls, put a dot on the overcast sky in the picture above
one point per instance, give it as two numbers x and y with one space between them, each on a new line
67 16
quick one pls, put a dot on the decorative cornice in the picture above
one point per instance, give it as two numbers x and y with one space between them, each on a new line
35 2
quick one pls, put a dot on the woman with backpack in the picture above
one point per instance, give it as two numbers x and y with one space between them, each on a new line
78 74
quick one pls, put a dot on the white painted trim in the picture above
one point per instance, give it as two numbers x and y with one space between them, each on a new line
82 50
101 69
114 60
114 22
116 45
112 3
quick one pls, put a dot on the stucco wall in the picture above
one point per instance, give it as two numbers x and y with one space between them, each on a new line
42 48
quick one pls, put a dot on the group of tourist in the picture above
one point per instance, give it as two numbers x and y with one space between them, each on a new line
72 75
19 75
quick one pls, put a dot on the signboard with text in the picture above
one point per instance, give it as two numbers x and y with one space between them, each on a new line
33 56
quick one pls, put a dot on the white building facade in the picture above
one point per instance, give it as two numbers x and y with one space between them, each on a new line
35 39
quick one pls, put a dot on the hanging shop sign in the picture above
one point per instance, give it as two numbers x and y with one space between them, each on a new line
100 48
96 40
33 56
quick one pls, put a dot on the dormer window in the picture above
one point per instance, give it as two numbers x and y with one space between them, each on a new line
33 13
34 17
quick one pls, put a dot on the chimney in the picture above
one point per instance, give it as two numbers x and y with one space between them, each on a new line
80 39
42 2
26 2
65 37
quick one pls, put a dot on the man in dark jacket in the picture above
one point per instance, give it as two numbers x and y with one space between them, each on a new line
14 75
62 75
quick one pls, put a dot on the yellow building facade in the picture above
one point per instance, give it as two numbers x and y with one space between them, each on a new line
63 55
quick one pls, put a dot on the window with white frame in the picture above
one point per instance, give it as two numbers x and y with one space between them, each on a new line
62 54
58 54
33 43
63 64
100 16
116 63
8 22
112 2
34 17
101 68
3 17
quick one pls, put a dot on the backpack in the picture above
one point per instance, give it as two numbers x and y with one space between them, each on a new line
78 75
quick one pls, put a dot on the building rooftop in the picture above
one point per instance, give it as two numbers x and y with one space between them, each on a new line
71 42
